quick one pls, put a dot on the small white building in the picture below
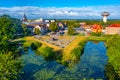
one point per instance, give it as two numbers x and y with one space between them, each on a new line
52 20
39 20
46 20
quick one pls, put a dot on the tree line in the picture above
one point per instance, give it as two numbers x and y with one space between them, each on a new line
10 66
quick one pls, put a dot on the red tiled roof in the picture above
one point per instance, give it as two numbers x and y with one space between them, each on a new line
114 25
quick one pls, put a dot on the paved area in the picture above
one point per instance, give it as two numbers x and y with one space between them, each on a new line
57 40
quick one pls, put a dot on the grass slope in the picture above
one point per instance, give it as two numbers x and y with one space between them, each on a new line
67 50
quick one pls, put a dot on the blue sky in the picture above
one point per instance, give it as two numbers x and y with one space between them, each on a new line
58 3
59 9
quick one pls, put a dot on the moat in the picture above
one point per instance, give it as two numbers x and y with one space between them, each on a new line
91 65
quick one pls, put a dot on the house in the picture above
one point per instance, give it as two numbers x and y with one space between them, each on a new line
41 24
52 20
61 26
113 29
87 28
82 24
96 28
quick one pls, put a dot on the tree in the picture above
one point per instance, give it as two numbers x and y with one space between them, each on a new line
37 31
17 26
6 32
53 26
24 27
9 67
71 30
113 52
15 22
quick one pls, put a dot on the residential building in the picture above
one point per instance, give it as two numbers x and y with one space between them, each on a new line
112 30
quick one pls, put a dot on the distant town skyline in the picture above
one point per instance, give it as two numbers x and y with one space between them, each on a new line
63 9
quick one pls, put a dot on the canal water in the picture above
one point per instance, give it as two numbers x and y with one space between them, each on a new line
91 65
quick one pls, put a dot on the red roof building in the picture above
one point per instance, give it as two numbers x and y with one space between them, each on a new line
113 29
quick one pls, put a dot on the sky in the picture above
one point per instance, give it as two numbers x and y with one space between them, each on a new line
60 9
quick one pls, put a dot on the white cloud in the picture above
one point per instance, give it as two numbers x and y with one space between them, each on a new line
89 12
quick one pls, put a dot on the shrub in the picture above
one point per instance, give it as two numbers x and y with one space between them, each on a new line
53 27
35 45
82 43
75 53
9 67
78 50
110 72
71 30
47 52
37 31
38 44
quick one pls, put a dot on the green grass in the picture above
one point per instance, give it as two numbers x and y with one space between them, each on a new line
96 38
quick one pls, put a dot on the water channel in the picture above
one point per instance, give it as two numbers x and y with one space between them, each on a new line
91 65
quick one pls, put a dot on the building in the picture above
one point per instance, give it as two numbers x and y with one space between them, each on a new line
24 18
113 29
87 28
96 28
39 20
105 15
42 26
52 20
39 23
82 24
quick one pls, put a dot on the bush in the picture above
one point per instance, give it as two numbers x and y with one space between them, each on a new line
82 43
78 50
38 44
110 72
35 45
53 27
47 52
75 54
9 67
71 30
37 31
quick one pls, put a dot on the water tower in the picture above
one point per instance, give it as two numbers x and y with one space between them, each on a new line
105 14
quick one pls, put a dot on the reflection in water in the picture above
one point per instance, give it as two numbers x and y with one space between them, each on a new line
93 60
91 65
